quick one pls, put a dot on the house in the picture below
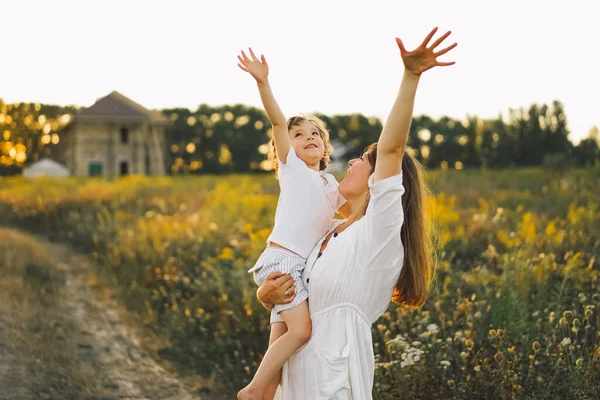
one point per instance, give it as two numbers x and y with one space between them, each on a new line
114 137
45 167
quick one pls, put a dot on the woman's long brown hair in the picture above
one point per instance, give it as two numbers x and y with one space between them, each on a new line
416 234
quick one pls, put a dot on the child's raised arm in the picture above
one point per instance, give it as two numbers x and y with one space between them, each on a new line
259 69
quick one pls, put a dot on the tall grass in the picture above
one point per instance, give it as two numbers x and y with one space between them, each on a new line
513 313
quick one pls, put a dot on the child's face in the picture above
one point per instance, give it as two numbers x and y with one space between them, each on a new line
307 142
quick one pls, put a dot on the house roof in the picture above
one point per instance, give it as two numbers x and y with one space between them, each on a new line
115 105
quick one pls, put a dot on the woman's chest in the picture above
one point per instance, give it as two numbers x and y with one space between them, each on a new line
331 268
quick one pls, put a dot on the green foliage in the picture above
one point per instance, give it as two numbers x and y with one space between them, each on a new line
513 312
29 132
234 138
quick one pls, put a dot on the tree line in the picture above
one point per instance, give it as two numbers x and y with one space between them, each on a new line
234 138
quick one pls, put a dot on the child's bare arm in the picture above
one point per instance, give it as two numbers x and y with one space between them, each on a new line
280 130
259 69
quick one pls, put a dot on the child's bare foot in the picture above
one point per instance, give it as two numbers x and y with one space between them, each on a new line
249 393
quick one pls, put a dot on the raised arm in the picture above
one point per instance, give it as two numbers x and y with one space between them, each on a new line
394 137
259 69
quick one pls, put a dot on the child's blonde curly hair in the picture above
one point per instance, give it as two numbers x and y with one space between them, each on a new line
323 132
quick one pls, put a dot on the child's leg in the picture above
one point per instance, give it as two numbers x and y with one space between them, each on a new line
298 323
277 330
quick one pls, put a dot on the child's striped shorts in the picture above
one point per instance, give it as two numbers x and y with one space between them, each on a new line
276 259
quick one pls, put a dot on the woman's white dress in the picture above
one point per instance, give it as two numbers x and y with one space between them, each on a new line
350 286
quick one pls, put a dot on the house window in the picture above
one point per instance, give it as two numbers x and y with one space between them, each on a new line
124 168
95 168
124 135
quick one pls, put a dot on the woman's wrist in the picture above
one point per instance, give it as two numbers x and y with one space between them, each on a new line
263 82
411 76
265 303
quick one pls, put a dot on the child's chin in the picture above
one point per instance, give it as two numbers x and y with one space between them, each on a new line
311 158
314 153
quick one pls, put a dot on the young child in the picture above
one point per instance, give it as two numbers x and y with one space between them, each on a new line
307 202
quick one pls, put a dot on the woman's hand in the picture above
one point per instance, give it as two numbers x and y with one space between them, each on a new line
259 69
423 58
278 288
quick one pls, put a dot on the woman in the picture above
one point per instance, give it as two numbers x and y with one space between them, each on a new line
381 251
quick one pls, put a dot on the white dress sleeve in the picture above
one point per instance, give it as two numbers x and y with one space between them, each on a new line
380 242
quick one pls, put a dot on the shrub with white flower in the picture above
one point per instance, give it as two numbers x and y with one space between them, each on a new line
397 344
411 355
432 329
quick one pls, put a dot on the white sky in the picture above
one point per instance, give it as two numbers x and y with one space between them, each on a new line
335 57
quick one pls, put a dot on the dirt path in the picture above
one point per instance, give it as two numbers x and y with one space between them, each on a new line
94 347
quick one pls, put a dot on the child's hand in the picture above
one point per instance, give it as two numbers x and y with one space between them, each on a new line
259 69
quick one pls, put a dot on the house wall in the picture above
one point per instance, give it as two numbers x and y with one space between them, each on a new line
100 142
157 147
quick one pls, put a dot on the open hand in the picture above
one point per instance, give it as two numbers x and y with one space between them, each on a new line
423 58
259 69
278 288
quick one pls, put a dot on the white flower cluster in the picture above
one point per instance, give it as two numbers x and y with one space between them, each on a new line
399 343
410 356
498 215
432 329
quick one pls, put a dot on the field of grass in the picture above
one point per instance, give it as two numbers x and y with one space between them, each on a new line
513 312
38 358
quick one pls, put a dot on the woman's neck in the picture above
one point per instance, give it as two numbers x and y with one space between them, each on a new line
358 208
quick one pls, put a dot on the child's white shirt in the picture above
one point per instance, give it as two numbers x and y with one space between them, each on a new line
306 205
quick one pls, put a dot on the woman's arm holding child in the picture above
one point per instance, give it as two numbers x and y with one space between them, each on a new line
259 69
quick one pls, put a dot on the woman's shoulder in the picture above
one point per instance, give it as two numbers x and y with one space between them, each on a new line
387 183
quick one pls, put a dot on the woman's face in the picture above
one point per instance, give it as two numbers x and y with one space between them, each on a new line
355 184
